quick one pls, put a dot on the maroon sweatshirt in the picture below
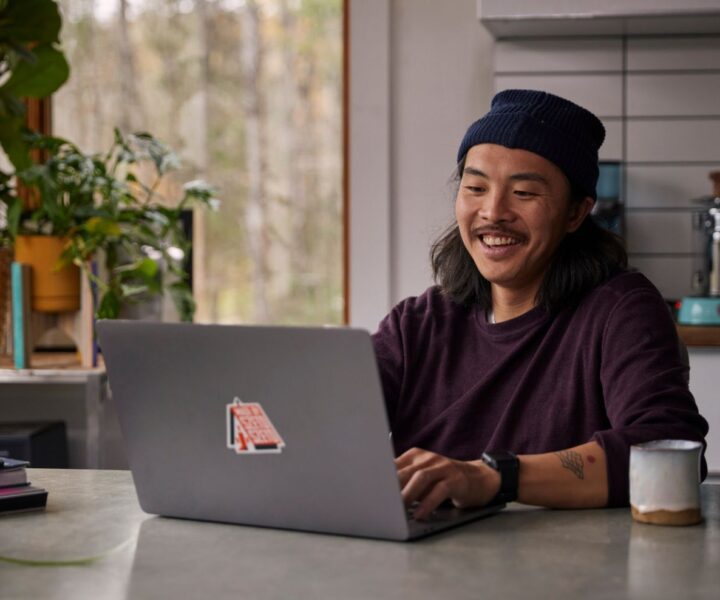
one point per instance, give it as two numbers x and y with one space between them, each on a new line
607 370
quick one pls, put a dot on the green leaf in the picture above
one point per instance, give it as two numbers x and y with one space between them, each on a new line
14 214
30 21
102 226
145 268
148 268
41 78
12 130
109 306
134 290
10 106
11 140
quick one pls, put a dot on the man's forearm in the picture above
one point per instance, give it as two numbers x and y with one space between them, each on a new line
572 478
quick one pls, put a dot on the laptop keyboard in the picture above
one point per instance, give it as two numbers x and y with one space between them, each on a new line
446 512
442 513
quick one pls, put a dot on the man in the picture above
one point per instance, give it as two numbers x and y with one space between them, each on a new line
538 360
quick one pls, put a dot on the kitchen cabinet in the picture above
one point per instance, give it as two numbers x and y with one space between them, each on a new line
704 380
529 18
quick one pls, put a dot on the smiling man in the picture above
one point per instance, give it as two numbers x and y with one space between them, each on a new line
538 359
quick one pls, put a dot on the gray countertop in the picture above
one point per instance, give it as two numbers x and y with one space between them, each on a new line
111 549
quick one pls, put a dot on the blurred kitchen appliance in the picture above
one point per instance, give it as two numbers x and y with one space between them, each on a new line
703 308
609 209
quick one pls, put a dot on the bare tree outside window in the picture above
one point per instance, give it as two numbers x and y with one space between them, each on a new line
249 93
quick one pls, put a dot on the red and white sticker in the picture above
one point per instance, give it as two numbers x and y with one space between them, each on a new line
250 431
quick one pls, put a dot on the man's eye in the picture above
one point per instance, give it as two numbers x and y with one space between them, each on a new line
524 193
473 189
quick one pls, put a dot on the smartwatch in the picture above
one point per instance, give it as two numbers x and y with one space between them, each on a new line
508 465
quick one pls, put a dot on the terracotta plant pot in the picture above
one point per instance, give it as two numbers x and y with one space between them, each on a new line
53 290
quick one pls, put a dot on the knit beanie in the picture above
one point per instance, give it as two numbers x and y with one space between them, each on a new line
556 129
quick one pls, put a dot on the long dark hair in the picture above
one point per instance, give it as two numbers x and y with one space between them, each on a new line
583 260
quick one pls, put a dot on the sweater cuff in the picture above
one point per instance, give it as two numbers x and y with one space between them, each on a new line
617 459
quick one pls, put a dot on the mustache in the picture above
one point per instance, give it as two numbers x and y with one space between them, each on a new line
498 231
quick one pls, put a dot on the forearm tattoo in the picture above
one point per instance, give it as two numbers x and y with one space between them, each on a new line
572 461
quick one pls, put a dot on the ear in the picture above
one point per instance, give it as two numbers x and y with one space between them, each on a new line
578 212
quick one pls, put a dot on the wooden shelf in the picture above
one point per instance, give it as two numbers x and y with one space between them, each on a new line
61 367
698 335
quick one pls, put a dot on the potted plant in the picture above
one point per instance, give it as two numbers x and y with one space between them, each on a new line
31 66
109 210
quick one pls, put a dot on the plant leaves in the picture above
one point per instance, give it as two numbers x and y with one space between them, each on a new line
41 78
102 226
109 307
145 268
14 214
129 291
30 21
148 268
11 140
10 106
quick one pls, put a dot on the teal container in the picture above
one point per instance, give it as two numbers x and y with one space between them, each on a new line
699 311
609 180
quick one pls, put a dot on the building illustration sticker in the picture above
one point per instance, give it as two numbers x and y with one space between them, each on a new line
250 431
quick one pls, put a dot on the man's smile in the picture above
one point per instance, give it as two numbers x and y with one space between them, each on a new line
497 240
494 240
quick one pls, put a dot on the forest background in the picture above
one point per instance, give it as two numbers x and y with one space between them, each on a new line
248 92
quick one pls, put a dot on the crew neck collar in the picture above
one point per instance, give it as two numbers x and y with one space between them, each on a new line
513 326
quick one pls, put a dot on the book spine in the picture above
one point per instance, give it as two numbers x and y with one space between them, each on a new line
20 277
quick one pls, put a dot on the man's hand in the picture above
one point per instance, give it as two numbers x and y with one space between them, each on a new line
571 478
430 479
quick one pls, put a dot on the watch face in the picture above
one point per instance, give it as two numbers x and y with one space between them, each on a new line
506 463
495 459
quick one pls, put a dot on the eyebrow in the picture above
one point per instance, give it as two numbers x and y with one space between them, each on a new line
474 171
525 176
530 176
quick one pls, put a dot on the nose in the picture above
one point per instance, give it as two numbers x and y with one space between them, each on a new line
495 207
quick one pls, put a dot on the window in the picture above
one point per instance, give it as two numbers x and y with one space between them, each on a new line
249 93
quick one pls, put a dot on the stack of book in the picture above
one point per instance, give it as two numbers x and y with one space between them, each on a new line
16 493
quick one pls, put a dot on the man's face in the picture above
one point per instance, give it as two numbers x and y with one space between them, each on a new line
513 210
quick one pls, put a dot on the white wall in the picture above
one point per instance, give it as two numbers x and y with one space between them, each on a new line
420 73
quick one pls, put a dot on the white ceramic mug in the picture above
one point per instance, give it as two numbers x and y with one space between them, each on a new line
665 482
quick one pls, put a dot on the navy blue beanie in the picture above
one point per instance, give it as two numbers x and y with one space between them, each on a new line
560 131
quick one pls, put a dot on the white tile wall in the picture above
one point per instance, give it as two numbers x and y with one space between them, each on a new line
602 94
662 95
555 55
664 54
659 232
685 94
612 148
672 275
674 141
666 186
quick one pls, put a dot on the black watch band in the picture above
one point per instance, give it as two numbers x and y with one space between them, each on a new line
508 465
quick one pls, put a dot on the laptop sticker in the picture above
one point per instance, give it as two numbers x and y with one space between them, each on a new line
250 431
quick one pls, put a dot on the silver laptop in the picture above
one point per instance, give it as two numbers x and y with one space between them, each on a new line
269 426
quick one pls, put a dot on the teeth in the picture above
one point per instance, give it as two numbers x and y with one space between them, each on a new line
498 241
